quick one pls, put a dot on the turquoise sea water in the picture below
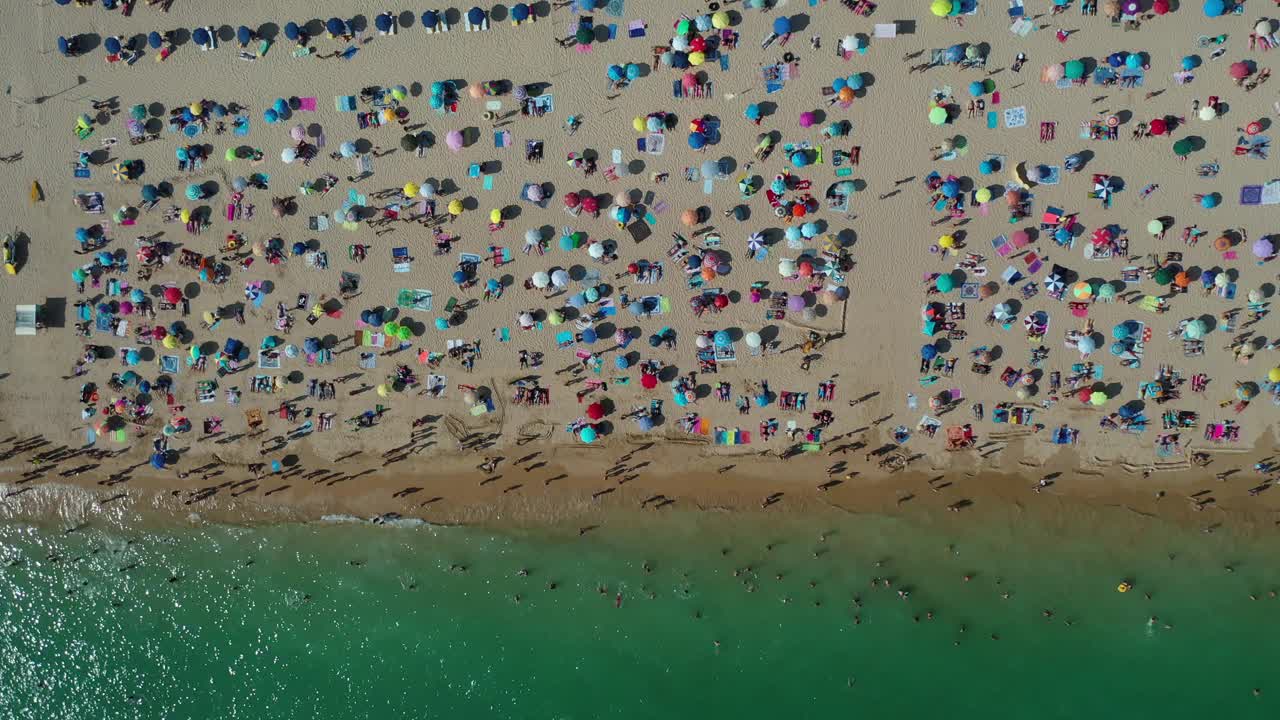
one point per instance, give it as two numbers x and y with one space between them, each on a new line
278 622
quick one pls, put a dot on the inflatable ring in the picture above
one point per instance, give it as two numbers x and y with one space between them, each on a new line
1124 587
788 57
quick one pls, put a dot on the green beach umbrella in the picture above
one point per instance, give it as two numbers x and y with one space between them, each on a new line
585 36
945 284
938 115
1183 147
1164 276
138 112
1074 69
1155 227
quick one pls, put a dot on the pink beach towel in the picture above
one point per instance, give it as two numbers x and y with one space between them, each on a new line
307 104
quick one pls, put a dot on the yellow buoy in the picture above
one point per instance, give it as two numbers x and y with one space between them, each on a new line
1125 586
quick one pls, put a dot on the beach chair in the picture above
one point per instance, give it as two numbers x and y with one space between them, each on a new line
401 262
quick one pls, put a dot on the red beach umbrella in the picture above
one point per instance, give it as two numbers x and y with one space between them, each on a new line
1085 394
172 295
1158 127
1160 7
1239 70
571 200
1101 236
648 381
1253 128
722 301
595 411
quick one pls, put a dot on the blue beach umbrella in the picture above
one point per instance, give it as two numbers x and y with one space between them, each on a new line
722 339
1133 62
459 276
520 12
1214 8
244 35
63 46
157 461
335 26
430 19
63 2
977 88
697 141
839 84
200 36
291 30
383 23
154 40
854 81
633 71
589 336
1210 201
950 189
82 235
928 352
112 45
1062 235
955 53
615 72
1115 59
132 358
986 167
475 16
1190 62
782 25
799 159
270 116
281 106
620 362
194 192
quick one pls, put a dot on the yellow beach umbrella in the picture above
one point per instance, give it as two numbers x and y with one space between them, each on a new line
411 189
495 216
455 207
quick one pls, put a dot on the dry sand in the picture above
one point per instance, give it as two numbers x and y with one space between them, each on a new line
888 239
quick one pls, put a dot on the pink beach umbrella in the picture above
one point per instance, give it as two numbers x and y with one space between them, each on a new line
454 140
298 133
689 81
807 119
126 308
1263 248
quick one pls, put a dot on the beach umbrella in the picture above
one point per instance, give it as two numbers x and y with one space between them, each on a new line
453 139
1082 291
1158 126
854 81
809 230
595 411
244 35
1121 331
132 357
1273 375
786 268
520 12
1155 227
782 25
584 35
430 19
1164 276
560 278
1210 201
1098 398
941 8
150 193
1133 61
983 195
112 45
1160 7
172 295
596 250
1246 391
455 207
1054 73
288 155
298 133
951 189
977 88
335 26
697 140
587 435
1106 291
752 339
954 54
270 116
347 149
1183 147
615 72
1214 8
795 303
1194 330
158 461
1073 69
1086 345
200 36
1239 70
567 243
938 114
459 276
986 167
928 352
411 189
807 119
1207 113
1263 248
291 30
722 339
194 192
383 22
945 283
441 323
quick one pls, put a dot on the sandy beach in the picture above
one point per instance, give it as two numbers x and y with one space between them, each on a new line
1181 365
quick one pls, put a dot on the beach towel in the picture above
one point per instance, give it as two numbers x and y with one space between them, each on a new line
1251 195
1015 117
240 126
345 103
307 104
637 29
